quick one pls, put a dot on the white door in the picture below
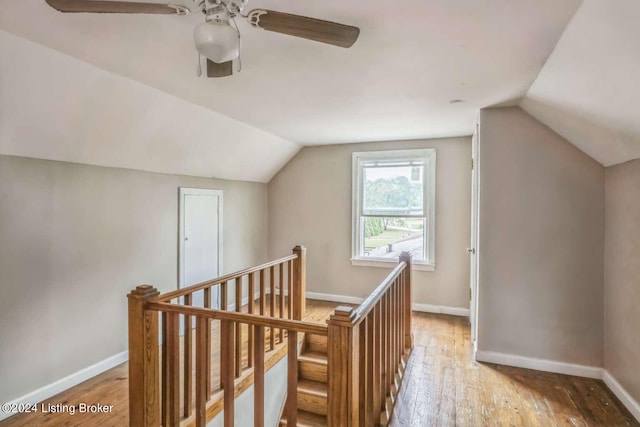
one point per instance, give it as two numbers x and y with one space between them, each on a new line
200 240
473 248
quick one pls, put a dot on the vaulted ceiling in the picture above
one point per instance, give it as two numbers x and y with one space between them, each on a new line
121 90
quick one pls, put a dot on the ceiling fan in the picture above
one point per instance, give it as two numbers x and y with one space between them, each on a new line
216 39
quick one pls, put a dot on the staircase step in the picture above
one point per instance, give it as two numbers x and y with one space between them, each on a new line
312 397
316 343
307 419
313 366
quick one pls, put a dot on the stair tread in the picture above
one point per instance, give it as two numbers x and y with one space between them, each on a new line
312 387
307 419
314 357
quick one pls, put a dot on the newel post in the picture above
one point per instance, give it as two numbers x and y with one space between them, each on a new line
299 297
408 336
343 406
144 384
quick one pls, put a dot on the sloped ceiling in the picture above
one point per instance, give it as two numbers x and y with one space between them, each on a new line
59 108
589 89
398 81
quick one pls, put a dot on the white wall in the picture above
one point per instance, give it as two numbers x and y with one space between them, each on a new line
310 204
75 239
622 276
541 242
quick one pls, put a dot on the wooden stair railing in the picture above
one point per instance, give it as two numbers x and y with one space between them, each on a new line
351 377
162 392
368 351
348 373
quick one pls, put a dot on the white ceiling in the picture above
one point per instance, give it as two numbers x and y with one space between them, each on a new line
589 90
59 108
121 90
413 57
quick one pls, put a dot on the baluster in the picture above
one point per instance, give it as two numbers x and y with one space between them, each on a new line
408 337
399 321
272 306
392 343
365 360
376 384
383 338
387 346
258 377
281 299
223 295
207 304
226 370
402 316
399 336
290 289
250 344
374 370
386 376
292 379
187 365
238 342
202 355
171 383
262 293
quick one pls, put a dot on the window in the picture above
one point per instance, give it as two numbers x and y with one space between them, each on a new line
393 206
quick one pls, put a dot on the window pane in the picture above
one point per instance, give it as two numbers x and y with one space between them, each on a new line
386 237
393 189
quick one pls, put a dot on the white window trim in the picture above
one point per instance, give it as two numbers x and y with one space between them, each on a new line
429 155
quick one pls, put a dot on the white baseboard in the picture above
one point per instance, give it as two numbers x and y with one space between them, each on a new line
627 400
539 364
425 308
63 384
441 309
268 292
334 298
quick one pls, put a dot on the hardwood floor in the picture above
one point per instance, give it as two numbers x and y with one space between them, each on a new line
443 386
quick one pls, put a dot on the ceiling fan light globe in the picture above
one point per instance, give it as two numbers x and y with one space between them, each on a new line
217 41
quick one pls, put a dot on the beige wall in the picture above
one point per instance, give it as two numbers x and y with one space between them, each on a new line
622 276
75 239
541 242
310 204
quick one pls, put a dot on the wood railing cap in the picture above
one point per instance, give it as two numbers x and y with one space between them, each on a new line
405 256
300 248
343 314
144 292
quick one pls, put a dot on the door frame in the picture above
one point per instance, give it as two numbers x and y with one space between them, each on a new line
474 266
185 191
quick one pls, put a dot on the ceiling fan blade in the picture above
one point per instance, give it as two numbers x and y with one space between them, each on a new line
304 27
99 6
223 69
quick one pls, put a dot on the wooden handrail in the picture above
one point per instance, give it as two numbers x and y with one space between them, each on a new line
250 319
209 283
367 305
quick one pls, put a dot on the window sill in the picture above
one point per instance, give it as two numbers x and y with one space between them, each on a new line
418 266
